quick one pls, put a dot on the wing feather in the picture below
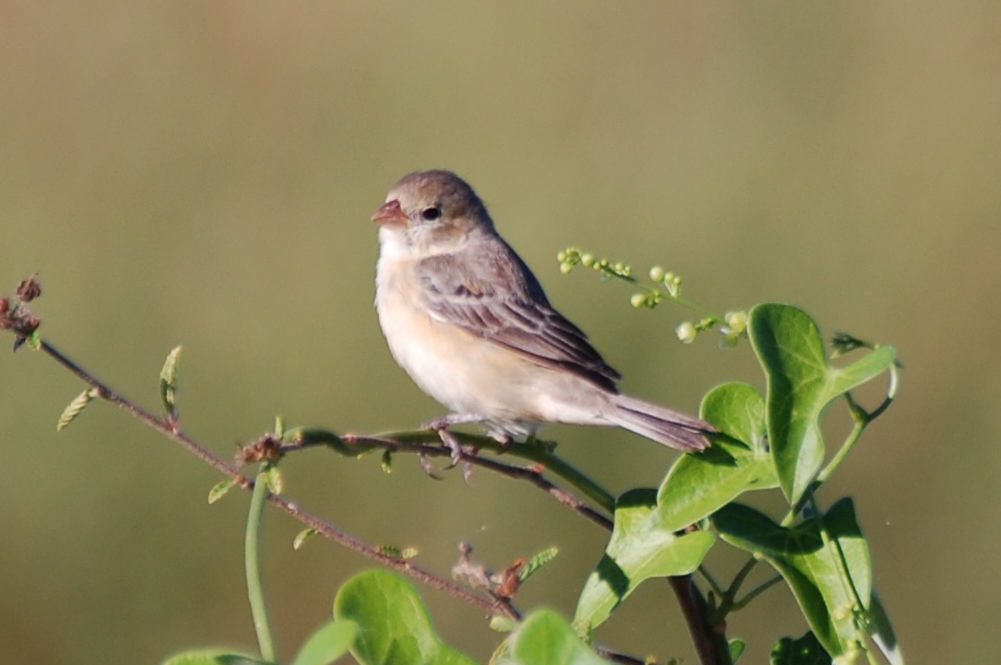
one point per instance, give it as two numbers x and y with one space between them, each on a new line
497 298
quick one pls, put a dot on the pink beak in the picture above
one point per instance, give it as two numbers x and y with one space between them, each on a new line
390 214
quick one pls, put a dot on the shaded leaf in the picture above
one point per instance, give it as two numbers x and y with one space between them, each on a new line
545 638
641 547
828 594
882 633
803 651
393 622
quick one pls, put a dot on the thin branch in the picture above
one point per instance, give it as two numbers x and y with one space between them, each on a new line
405 443
693 605
171 430
533 451
710 641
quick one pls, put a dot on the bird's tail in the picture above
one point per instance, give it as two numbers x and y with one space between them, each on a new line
659 424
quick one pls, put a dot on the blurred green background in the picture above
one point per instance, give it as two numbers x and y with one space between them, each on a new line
203 173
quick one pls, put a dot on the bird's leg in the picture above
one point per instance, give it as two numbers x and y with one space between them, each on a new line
449 419
441 426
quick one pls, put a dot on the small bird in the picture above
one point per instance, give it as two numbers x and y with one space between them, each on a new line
471 325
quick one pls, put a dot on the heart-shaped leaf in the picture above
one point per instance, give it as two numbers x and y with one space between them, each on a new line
801 383
394 627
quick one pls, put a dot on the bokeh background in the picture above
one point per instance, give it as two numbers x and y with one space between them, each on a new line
203 174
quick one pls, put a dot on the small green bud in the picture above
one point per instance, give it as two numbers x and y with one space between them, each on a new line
566 267
657 274
736 321
587 259
561 256
638 300
686 332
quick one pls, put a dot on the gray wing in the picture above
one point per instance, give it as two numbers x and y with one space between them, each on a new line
498 298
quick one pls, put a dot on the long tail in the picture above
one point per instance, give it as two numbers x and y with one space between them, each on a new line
659 424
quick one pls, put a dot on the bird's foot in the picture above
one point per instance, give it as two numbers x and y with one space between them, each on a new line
442 426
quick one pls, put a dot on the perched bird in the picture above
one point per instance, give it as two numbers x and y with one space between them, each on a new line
467 319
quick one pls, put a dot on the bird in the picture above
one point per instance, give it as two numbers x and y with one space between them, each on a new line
467 319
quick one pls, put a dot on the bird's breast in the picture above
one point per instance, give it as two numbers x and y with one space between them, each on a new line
463 371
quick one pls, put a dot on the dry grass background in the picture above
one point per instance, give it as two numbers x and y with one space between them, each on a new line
203 173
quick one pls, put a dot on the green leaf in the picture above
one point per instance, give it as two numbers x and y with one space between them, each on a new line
801 383
737 647
545 638
803 651
699 484
168 380
301 537
882 633
828 588
537 561
220 489
213 657
394 627
74 408
327 644
641 547
275 480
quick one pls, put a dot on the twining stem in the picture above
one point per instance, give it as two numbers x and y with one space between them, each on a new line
252 563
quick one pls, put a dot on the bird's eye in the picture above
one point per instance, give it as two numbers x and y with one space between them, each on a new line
431 214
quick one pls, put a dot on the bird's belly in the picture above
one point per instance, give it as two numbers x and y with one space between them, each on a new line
466 373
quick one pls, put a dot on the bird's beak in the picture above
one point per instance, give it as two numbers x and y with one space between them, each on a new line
390 214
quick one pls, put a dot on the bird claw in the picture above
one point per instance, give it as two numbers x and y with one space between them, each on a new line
428 468
455 448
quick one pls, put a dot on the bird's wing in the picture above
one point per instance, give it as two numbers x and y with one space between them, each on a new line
494 295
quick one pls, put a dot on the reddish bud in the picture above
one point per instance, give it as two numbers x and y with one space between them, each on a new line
29 289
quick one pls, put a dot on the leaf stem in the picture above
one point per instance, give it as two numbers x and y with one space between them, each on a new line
750 595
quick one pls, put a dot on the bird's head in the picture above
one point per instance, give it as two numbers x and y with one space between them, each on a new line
430 212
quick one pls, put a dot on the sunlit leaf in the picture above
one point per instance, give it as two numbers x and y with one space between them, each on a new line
74 408
699 484
394 627
168 380
220 489
801 383
301 537
545 638
213 657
